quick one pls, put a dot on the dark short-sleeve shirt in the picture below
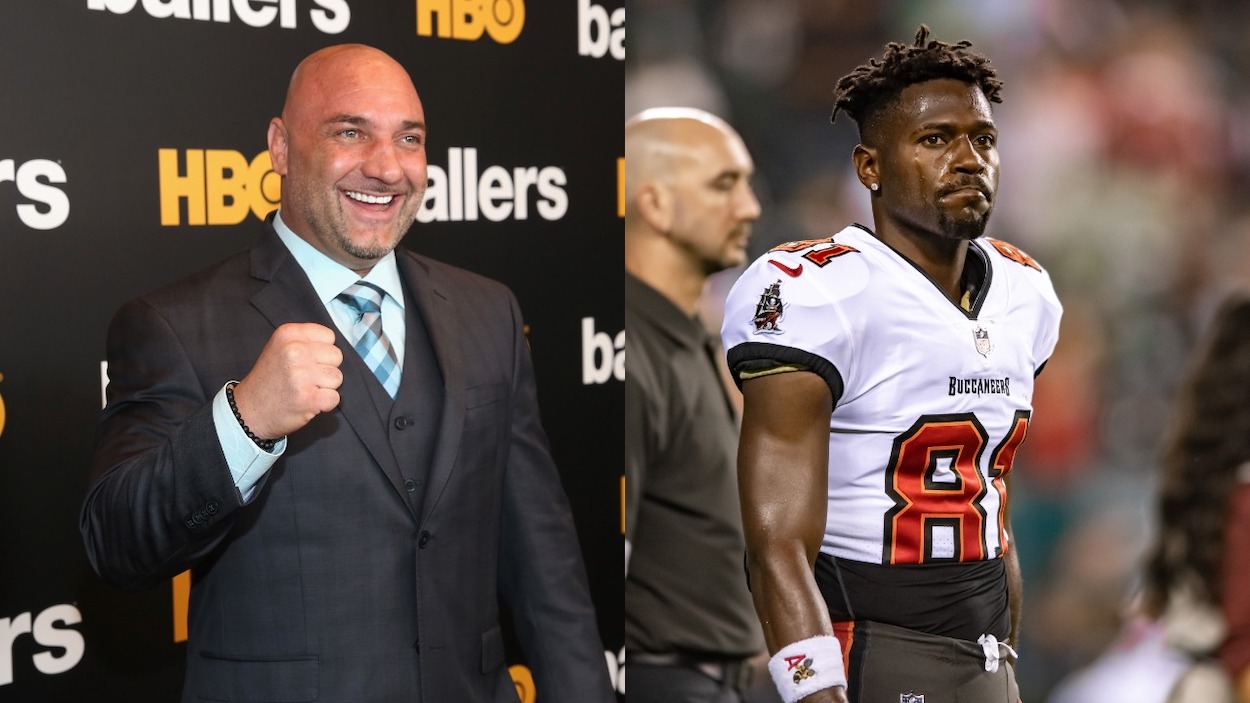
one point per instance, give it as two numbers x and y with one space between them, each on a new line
686 589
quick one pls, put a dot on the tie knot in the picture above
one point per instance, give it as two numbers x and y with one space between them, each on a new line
362 297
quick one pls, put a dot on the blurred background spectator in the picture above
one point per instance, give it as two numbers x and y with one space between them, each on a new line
1125 146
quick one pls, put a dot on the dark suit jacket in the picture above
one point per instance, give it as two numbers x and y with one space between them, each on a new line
352 575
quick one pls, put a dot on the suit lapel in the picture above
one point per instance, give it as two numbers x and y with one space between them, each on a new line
290 297
431 299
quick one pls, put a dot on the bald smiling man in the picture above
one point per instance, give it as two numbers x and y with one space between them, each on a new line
353 506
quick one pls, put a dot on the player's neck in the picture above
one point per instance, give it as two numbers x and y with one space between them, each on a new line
943 259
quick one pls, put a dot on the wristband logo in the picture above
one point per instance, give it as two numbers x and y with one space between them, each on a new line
329 16
802 666
34 181
218 186
468 20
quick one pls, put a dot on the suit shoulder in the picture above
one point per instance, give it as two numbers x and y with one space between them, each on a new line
219 278
463 280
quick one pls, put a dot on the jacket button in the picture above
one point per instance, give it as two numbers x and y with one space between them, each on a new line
410 485
401 423
424 539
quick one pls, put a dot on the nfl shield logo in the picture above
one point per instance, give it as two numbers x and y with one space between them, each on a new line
984 346
910 698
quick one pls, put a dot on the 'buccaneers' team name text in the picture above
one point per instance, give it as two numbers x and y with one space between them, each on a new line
977 386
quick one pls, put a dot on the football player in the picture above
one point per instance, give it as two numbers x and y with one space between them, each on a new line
888 378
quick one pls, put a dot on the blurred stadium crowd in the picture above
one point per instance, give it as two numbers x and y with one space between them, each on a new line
1125 147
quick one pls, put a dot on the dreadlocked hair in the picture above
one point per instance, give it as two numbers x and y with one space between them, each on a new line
1209 442
863 92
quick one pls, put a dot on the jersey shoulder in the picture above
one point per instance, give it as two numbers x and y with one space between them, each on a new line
1013 262
827 269
815 254
1011 252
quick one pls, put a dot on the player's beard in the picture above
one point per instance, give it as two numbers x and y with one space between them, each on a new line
965 222
968 227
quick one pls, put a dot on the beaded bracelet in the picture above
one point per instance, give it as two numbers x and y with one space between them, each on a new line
265 444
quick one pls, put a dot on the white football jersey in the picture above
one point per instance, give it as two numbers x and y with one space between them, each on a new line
931 401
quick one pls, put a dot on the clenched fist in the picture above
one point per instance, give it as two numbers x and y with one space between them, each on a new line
296 377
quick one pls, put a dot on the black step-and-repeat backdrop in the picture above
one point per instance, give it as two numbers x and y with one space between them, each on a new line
132 151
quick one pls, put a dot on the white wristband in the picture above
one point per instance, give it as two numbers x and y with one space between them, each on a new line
802 668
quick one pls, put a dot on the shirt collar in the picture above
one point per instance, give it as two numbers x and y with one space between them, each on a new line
328 277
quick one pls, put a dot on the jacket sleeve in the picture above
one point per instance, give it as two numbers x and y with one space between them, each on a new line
161 493
543 579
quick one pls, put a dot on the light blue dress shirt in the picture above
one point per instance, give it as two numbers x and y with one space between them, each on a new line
248 462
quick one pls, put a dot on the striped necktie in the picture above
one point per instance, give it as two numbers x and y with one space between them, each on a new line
365 300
